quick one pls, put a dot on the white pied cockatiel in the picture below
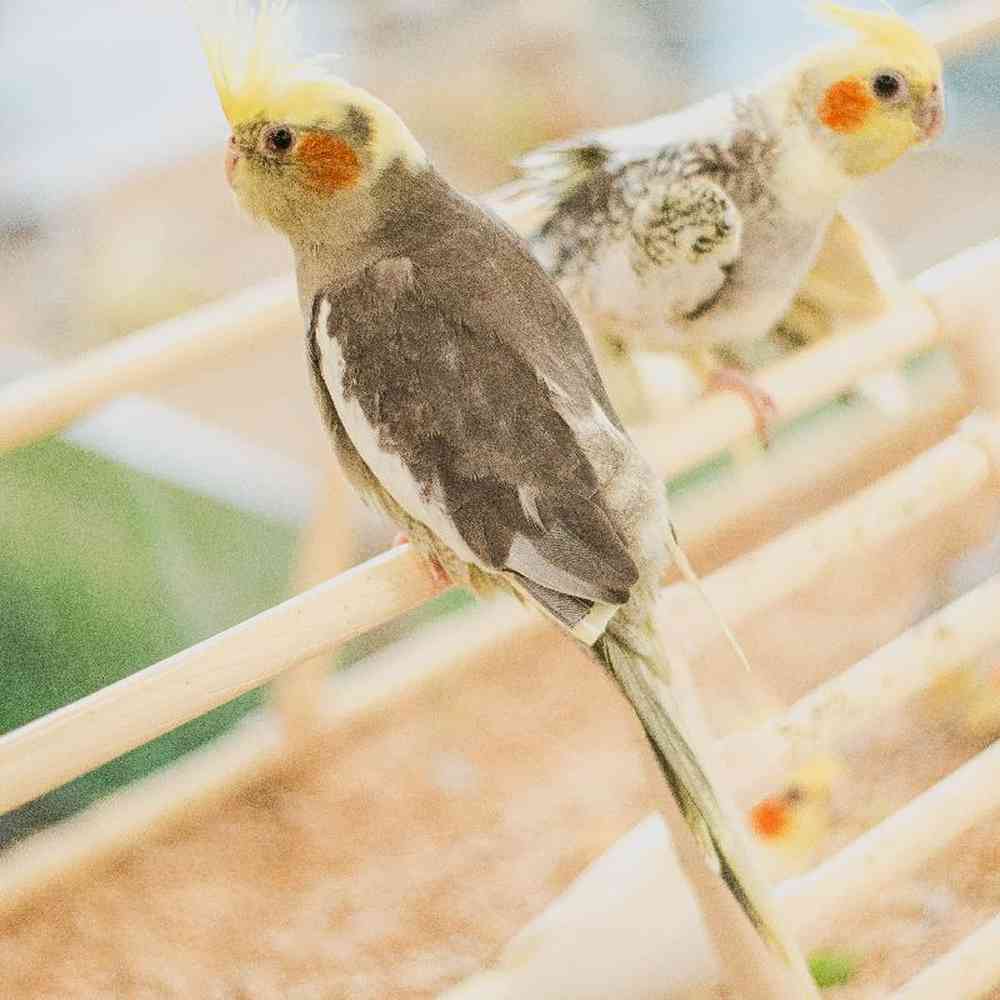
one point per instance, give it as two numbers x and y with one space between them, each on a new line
695 231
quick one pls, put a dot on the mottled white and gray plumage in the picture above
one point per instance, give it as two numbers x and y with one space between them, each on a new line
694 232
458 387
685 244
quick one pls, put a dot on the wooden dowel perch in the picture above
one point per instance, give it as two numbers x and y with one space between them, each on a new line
939 478
878 684
38 405
805 381
966 973
625 887
326 549
897 845
247 754
82 736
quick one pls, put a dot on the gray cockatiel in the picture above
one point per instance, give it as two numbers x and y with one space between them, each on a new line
457 384
694 232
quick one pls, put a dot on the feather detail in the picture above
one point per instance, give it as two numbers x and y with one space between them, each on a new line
629 651
887 31
255 58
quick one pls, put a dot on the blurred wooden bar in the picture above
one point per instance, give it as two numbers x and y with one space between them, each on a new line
965 973
325 549
87 733
38 405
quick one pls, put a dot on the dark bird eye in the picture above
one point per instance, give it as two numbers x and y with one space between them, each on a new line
279 140
888 86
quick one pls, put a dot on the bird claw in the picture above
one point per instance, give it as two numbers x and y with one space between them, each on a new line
761 403
438 573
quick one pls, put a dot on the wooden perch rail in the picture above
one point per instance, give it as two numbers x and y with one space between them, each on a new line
96 729
82 736
804 382
42 404
965 973
876 685
896 846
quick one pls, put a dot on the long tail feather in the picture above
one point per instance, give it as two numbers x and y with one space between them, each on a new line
691 577
629 651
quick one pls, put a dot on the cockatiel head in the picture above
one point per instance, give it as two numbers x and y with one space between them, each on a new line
870 102
794 822
306 147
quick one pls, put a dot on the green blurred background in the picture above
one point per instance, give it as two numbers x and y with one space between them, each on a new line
105 570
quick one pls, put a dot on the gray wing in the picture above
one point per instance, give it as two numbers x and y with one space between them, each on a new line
444 368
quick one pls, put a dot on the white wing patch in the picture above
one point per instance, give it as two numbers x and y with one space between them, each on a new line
528 499
389 469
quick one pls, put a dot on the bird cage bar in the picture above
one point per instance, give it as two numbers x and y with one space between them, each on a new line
940 478
878 684
88 733
255 748
38 405
802 383
897 845
965 973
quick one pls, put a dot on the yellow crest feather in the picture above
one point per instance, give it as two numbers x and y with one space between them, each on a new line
252 56
888 31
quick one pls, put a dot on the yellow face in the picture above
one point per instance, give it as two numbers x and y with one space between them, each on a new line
874 101
301 138
875 110
320 159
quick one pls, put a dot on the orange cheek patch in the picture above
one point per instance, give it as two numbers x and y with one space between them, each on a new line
846 105
769 819
330 163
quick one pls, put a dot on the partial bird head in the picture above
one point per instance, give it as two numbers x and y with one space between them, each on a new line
872 101
811 785
302 138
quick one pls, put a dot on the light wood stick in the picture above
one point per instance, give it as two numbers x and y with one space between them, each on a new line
325 550
878 684
897 845
254 748
936 480
965 973
41 404
76 739
809 378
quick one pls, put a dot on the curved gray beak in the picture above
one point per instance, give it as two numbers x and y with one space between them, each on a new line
930 117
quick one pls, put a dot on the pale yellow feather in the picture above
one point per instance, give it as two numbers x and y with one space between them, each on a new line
890 32
254 57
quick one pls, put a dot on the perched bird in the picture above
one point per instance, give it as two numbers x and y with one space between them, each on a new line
694 231
792 824
457 384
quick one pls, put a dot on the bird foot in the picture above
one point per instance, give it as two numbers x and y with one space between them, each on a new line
438 573
761 403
